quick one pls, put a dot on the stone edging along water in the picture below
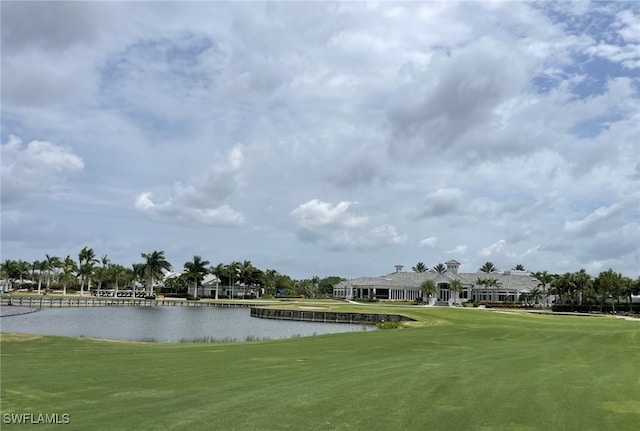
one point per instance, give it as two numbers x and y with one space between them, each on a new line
326 316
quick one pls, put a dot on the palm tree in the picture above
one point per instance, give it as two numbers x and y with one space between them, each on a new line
154 264
535 295
196 270
582 281
37 269
231 272
563 285
53 263
219 271
545 280
492 282
251 275
420 267
608 284
11 271
86 256
456 287
103 273
480 282
23 270
86 272
440 268
68 269
519 267
488 268
428 288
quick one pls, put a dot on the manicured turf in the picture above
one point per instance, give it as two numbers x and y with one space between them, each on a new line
462 370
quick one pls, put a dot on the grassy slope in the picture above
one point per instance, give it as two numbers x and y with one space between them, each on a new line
464 369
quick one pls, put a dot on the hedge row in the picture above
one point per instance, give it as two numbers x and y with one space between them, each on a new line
592 308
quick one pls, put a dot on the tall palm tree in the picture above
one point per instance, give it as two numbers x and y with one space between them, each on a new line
68 269
420 267
154 264
480 282
53 263
196 270
37 270
249 274
563 286
493 283
488 268
11 271
231 271
103 273
456 287
519 267
118 272
86 256
219 271
545 280
535 295
428 288
23 269
440 268
85 271
582 281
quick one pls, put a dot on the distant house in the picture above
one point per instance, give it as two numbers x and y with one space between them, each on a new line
402 285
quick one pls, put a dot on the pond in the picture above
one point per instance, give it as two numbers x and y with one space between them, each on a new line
163 324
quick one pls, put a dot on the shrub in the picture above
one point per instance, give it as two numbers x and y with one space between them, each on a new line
388 324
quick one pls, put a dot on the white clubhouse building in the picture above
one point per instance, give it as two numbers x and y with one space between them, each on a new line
402 285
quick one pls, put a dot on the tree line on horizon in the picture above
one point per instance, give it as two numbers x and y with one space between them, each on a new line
89 271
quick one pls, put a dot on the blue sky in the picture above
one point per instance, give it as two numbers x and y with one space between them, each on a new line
324 138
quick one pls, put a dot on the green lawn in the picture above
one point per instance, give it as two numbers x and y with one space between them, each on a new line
463 369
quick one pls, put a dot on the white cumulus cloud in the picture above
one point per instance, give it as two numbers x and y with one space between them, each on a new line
39 168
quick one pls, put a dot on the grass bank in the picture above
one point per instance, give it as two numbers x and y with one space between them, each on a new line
458 369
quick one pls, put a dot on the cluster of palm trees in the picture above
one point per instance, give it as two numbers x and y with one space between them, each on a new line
580 288
153 272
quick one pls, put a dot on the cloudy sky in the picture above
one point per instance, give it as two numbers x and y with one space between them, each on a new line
324 138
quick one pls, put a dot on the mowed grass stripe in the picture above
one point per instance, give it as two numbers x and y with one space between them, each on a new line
462 369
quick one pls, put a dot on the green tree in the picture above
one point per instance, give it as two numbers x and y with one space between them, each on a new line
195 270
86 258
440 268
118 272
38 271
488 268
11 271
153 266
325 285
563 286
428 288
481 282
68 270
519 267
269 279
420 267
608 284
544 279
232 272
54 263
581 282
456 287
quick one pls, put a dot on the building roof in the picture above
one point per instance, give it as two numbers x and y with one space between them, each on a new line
520 281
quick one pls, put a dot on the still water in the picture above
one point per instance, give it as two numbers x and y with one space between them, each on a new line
163 324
